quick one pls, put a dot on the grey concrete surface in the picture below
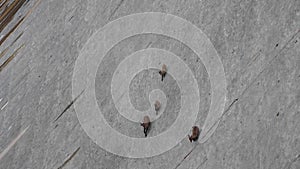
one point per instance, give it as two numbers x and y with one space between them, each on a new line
259 45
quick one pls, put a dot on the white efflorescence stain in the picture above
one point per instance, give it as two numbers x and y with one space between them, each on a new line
92 54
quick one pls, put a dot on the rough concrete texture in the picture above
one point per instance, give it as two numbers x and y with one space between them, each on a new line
258 42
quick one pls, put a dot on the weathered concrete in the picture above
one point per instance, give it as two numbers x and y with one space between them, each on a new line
258 42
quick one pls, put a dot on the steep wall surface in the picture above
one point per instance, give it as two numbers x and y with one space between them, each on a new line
258 43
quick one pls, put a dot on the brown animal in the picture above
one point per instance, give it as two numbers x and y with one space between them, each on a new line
163 72
157 106
195 134
146 124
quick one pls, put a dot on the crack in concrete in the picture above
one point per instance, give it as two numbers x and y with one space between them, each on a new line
69 158
115 10
203 162
290 163
232 103
254 58
186 156
18 37
69 105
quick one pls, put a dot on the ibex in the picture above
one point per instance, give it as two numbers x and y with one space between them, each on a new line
157 106
163 72
146 124
195 134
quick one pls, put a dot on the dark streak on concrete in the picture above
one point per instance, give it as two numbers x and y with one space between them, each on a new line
255 56
235 100
18 37
71 18
232 103
289 163
115 10
186 156
69 105
205 159
69 158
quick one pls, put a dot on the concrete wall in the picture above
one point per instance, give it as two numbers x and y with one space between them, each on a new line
259 45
